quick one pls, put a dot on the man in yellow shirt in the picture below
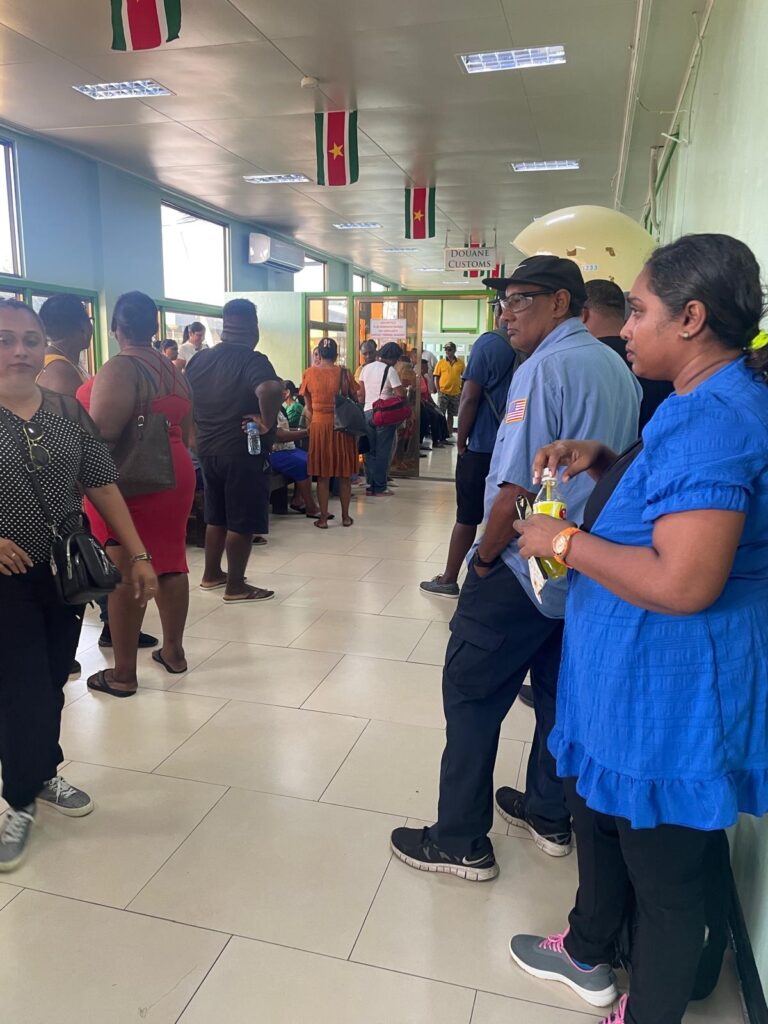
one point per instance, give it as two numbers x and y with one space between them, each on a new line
447 376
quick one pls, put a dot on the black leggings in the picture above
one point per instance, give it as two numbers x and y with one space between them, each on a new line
671 879
38 640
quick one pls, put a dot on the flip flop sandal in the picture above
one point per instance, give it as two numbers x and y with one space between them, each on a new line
158 657
319 525
317 516
349 521
100 684
257 541
219 586
296 511
257 594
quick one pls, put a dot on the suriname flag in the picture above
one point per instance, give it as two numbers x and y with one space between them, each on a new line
336 144
420 213
144 24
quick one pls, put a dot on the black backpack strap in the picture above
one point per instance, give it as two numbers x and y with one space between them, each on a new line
499 416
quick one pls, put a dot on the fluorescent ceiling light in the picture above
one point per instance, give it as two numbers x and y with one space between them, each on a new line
123 90
360 225
430 270
404 248
275 179
546 165
512 60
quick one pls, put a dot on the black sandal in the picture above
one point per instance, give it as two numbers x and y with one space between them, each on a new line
158 657
103 686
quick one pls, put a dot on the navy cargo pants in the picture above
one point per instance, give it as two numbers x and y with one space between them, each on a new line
497 637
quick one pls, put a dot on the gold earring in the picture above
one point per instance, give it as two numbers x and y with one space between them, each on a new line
686 334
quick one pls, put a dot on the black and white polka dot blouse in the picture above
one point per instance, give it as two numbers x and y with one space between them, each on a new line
77 457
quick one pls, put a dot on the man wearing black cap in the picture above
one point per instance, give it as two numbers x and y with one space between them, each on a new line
481 409
231 383
570 386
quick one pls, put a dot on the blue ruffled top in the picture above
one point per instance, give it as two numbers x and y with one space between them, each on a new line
663 719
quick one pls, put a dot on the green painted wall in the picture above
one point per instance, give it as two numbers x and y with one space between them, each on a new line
719 182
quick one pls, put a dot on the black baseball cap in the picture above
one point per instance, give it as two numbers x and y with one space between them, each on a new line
548 271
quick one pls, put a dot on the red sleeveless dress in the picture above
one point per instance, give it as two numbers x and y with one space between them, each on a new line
160 518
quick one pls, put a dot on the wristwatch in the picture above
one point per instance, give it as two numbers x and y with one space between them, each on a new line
482 562
561 544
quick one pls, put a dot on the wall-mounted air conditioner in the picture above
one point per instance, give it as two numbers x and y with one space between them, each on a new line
271 252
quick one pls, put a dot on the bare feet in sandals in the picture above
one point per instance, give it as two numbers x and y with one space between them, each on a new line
248 594
104 682
347 521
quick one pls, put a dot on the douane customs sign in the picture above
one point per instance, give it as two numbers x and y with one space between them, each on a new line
482 257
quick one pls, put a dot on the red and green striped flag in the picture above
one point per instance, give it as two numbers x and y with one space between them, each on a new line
336 143
420 213
144 24
474 244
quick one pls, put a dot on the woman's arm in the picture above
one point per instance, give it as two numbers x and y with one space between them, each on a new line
577 456
683 572
188 430
284 435
113 399
110 504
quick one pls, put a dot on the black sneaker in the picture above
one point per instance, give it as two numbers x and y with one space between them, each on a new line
145 640
510 803
75 670
414 847
526 695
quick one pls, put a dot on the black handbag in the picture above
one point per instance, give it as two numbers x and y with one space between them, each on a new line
143 454
81 569
348 417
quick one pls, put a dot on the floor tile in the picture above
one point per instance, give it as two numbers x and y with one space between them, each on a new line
151 675
66 962
288 871
403 550
372 636
329 566
255 622
283 586
253 981
412 924
396 570
7 893
136 733
431 648
272 749
520 723
396 769
520 782
107 857
503 1010
343 596
390 691
411 602
255 672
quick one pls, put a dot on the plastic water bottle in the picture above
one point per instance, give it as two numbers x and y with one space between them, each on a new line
549 502
254 438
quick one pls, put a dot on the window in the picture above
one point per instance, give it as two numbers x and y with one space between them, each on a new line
176 322
358 283
311 278
88 357
194 257
9 239
377 286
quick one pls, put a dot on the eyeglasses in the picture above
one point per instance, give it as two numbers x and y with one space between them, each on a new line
522 300
39 457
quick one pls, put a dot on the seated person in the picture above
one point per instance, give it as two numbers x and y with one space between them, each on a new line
432 421
291 461
293 407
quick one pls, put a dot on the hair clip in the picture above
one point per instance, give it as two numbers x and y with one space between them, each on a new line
759 341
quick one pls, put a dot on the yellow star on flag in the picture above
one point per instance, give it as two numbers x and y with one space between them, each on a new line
336 151
418 215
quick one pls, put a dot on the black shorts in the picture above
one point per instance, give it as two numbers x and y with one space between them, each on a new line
237 489
472 468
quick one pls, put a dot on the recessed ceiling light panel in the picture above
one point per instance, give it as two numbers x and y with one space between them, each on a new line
430 270
360 225
404 248
546 165
123 90
275 179
512 60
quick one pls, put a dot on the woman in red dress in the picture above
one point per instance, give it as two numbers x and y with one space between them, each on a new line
113 397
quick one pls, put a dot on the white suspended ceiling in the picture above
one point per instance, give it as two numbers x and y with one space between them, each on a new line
238 108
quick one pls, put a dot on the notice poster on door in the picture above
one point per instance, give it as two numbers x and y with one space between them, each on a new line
389 330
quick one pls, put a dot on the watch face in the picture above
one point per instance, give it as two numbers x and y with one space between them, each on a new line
561 543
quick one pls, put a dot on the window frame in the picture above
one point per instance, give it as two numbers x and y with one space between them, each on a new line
378 287
361 277
226 241
12 198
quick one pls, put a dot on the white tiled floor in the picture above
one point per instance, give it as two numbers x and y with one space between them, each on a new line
237 866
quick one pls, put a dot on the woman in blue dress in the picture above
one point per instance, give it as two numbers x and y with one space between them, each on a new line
662 718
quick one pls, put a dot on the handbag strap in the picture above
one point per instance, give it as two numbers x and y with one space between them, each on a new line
31 473
384 379
342 376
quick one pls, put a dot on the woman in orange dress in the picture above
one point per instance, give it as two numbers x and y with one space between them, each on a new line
331 452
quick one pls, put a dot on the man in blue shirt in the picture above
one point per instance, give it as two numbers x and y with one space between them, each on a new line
481 409
570 386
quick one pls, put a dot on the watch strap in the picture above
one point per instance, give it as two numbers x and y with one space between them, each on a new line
568 535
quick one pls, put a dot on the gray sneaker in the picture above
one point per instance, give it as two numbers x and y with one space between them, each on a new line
14 837
546 958
65 798
434 586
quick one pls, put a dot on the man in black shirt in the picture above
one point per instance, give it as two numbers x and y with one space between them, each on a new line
232 383
605 315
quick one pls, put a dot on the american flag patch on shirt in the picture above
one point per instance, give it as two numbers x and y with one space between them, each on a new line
516 410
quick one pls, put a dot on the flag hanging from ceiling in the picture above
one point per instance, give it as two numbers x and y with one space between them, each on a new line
420 213
474 244
144 24
336 144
